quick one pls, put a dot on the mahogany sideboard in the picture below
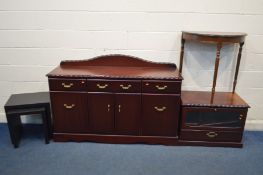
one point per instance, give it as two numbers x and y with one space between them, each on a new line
116 99
213 118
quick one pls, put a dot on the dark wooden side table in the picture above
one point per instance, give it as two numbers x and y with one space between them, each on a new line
24 104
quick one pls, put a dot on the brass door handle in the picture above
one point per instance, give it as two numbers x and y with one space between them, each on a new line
211 134
119 108
160 109
125 87
69 106
102 86
108 108
161 87
67 85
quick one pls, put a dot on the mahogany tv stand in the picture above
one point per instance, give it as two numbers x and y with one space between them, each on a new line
213 118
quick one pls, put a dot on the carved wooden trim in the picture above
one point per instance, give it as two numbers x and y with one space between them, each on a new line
116 60
90 68
113 77
215 105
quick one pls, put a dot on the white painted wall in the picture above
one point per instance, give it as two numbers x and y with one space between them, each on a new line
35 35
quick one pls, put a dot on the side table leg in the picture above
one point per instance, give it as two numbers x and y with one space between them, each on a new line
15 128
45 126
49 121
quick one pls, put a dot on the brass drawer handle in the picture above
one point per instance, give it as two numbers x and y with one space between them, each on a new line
67 85
241 117
119 108
160 109
69 106
211 134
102 86
108 108
125 87
161 87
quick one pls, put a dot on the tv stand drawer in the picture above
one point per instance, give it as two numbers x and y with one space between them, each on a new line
211 136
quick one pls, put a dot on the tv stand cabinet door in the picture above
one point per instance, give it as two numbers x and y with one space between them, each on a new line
213 118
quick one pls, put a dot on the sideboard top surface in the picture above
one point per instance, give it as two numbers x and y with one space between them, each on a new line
220 99
116 66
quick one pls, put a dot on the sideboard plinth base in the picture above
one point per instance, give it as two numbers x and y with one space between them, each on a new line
119 139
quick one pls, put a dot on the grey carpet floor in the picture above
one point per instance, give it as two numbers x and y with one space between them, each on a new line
36 158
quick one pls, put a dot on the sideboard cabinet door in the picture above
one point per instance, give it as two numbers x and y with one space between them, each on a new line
69 112
127 113
101 113
160 114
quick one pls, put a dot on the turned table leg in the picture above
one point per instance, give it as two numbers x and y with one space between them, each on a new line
181 55
218 50
237 66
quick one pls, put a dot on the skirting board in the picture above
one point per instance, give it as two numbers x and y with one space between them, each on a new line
254 125
251 125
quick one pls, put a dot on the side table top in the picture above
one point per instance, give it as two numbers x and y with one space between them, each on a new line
206 36
27 99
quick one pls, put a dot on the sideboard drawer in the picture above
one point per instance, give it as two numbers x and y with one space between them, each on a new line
67 84
154 86
126 86
210 135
